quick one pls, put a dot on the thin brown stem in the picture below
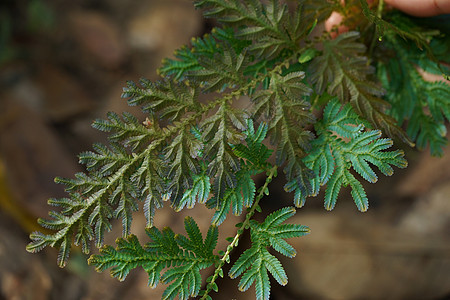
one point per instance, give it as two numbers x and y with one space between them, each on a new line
271 173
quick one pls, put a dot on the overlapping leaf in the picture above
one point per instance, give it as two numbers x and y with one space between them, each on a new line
235 198
181 156
344 72
255 262
284 107
219 132
271 27
343 144
187 58
255 153
126 130
253 160
423 104
225 69
401 25
179 258
166 98
199 192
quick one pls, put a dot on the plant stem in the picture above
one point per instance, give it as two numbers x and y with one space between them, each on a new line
374 38
271 173
380 8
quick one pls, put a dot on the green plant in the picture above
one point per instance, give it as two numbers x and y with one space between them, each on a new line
322 103
37 19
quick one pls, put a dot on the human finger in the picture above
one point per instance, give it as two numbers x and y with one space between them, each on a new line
422 8
334 20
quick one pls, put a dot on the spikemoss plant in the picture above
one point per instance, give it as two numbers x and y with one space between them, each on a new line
324 105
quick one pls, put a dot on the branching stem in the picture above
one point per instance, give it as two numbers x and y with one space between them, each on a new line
271 173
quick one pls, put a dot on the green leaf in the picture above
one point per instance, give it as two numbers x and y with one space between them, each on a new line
344 72
151 184
270 26
124 197
198 193
255 152
180 157
128 131
423 104
225 69
187 59
274 267
166 98
287 112
235 198
255 262
219 131
177 257
343 144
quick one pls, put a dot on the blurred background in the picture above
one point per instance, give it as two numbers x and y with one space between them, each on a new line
64 63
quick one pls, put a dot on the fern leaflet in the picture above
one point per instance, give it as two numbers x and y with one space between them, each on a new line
342 144
253 160
188 59
181 257
423 103
342 71
255 262
284 107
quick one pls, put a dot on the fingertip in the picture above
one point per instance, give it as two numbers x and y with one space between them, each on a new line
421 8
334 20
332 24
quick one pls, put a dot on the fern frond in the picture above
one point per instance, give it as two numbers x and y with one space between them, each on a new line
342 71
198 193
181 257
401 25
143 172
286 111
343 144
166 98
187 58
254 157
218 132
128 131
255 152
234 199
225 69
180 157
271 27
423 104
255 262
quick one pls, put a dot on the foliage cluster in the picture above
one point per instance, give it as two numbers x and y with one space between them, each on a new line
323 104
